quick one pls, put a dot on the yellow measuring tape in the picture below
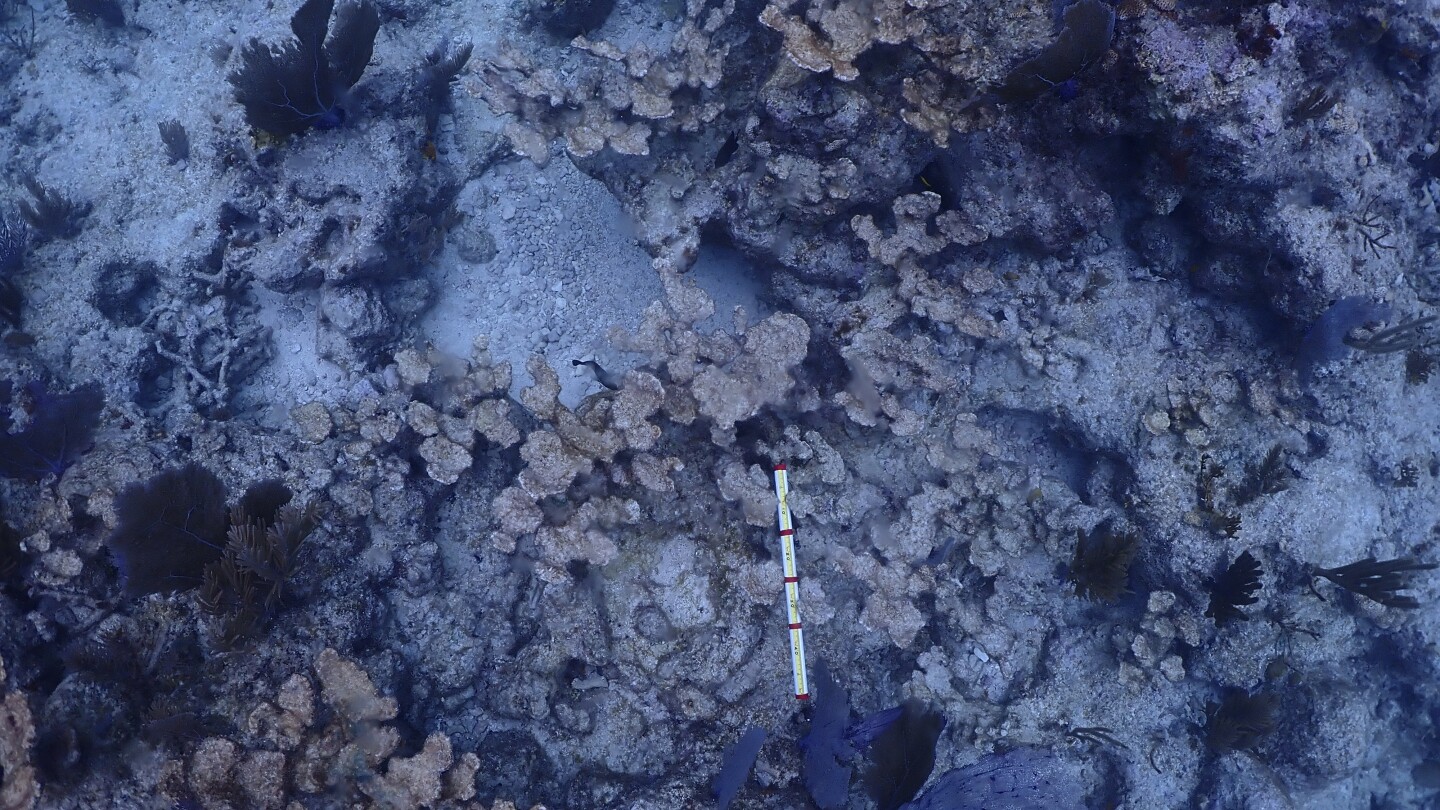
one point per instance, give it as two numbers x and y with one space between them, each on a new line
792 583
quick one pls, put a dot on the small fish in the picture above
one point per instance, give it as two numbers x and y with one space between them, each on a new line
605 378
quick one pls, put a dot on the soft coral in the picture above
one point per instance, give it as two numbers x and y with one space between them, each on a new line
289 88
61 428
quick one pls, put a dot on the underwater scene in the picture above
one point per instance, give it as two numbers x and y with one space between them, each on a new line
719 404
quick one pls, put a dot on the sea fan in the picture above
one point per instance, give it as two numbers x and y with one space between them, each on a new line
903 755
61 428
1100 567
735 769
827 751
1239 721
1089 25
1021 779
1234 589
49 212
170 528
289 88
1272 475
1381 581
103 12
13 241
441 69
1325 341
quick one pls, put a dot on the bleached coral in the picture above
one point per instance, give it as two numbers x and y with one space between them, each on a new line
750 487
419 781
585 536
881 362
444 400
709 375
572 444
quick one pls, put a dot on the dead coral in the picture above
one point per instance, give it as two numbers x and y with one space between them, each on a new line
844 34
282 724
938 104
207 337
448 442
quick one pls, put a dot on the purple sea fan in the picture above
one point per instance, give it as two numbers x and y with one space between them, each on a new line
60 430
828 754
170 527
739 759
290 87
1022 779
1325 342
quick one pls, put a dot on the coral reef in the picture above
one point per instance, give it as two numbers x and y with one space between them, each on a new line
1094 338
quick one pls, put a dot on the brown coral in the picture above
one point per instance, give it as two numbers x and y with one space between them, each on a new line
617 100
284 754
19 789
965 45
842 32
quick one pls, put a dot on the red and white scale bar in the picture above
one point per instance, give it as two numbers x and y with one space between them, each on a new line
792 583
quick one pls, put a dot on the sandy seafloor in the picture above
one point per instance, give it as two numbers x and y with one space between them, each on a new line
532 370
